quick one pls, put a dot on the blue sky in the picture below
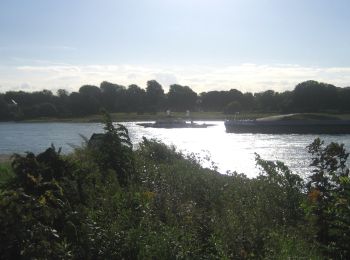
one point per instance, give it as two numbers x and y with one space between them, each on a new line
251 45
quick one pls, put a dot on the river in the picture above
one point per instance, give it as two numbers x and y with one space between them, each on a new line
228 151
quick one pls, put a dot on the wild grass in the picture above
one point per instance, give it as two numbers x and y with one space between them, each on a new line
6 173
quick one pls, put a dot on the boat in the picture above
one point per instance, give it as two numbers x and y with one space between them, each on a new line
174 123
289 124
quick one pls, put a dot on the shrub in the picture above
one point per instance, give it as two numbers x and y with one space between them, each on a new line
329 197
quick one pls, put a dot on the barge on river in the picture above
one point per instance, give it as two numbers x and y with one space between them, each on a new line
174 123
289 124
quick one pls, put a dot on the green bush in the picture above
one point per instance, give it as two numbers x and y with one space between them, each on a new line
328 204
6 174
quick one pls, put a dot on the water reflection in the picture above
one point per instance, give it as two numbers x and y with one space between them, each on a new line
236 152
228 150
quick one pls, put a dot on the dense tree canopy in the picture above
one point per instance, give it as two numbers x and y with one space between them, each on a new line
181 98
154 96
113 96
308 96
218 100
312 96
135 98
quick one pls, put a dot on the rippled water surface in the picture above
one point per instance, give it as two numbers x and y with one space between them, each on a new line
229 151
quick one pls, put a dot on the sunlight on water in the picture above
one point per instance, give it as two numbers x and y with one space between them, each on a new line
229 151
236 152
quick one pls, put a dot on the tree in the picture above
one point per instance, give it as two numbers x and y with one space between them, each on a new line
285 102
212 100
90 90
267 100
343 98
218 100
155 96
62 93
329 197
88 98
44 96
83 105
113 96
4 109
280 180
313 96
62 102
135 98
181 98
233 107
248 101
115 153
47 110
44 186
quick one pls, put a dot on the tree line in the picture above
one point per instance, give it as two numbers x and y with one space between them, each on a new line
308 96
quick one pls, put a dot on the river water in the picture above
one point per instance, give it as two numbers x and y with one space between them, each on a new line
228 151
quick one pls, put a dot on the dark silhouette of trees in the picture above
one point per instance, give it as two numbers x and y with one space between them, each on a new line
267 100
90 90
77 105
89 99
135 97
233 107
46 110
247 102
343 99
285 100
313 96
4 109
30 105
154 96
218 100
62 93
308 96
62 103
213 100
113 96
181 98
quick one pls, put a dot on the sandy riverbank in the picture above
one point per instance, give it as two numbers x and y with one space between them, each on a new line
4 157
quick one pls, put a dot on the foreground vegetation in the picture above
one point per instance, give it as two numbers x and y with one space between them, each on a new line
107 201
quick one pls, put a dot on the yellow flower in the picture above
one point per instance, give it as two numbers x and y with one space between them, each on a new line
149 195
42 200
314 195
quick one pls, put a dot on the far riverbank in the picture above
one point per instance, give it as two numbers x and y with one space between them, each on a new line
196 116
4 158
133 117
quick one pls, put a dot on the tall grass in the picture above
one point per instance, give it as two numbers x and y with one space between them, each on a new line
6 173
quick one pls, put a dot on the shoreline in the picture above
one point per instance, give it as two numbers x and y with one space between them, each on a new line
127 117
5 158
195 116
134 117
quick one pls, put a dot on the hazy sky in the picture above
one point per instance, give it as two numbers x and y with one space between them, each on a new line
251 45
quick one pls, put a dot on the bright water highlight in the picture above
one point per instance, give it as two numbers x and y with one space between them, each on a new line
229 151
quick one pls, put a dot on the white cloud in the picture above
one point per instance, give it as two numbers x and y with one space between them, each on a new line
166 79
245 77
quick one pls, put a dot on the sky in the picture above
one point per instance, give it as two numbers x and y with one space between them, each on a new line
250 45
